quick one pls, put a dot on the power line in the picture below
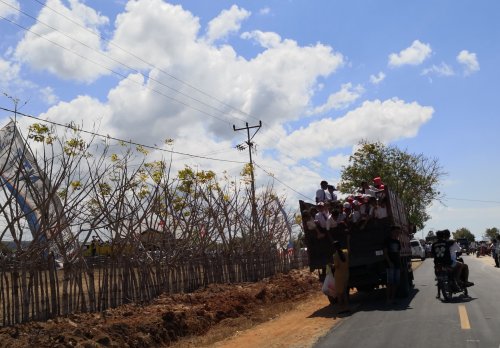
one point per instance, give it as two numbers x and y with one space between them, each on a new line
115 72
121 140
145 61
116 60
133 69
281 182
470 200
150 65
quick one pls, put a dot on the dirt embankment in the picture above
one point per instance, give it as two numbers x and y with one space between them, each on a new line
226 308
287 310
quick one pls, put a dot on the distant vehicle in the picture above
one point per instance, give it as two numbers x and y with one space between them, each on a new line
417 250
464 245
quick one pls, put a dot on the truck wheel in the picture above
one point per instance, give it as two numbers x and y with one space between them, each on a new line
404 284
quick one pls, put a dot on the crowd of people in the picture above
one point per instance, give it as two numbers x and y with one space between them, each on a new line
329 222
367 204
331 218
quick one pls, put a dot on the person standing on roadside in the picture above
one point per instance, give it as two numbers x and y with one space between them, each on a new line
392 253
494 249
497 262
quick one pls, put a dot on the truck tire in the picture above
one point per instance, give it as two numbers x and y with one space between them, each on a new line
405 281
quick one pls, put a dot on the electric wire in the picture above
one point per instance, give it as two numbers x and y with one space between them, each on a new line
116 72
470 200
281 182
117 61
120 140
147 62
129 67
162 71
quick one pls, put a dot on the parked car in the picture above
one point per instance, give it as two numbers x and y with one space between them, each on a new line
417 250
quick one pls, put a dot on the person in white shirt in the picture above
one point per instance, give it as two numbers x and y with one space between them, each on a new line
321 194
356 213
460 270
381 211
322 216
330 194
365 189
454 249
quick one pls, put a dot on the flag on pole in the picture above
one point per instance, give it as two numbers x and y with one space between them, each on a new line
30 186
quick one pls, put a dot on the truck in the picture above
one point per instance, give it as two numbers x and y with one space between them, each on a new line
367 262
464 245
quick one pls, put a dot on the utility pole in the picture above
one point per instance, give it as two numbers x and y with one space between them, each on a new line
250 146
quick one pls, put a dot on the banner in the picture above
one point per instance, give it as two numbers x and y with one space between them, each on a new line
28 184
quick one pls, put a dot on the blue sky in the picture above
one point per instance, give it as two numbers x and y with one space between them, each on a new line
321 75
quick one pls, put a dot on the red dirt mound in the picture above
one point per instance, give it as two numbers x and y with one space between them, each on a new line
167 319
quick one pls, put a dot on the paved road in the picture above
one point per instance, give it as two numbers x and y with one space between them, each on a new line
422 320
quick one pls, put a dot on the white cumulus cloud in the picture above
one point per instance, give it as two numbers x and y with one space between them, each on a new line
469 62
48 95
275 86
54 50
440 70
376 79
341 99
373 121
265 11
338 161
9 8
8 71
413 55
228 21
265 39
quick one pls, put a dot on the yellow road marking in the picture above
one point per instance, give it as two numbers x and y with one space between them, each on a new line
464 319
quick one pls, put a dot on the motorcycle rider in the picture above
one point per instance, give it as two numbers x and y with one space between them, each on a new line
444 253
460 269
440 250
441 253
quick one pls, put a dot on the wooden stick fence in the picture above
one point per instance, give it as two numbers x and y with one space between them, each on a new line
38 291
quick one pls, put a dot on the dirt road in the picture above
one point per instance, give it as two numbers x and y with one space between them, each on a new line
300 326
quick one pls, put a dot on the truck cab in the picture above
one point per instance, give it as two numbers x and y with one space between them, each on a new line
464 245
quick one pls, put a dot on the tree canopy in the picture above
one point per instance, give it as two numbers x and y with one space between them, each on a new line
464 233
491 233
414 177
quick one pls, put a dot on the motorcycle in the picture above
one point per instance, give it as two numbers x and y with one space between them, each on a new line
447 284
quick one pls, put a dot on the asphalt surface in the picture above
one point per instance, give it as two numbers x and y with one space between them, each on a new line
421 320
